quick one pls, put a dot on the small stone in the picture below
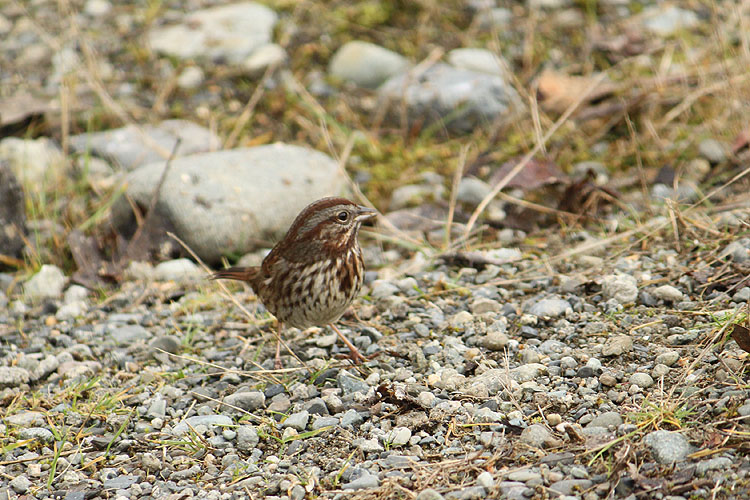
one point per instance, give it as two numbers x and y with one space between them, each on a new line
537 435
48 283
246 400
617 345
20 484
551 308
247 438
366 64
665 20
150 462
397 437
494 341
482 306
351 418
472 191
350 384
204 421
179 270
461 319
486 480
570 486
659 371
168 343
642 380
366 481
13 376
524 476
191 78
607 380
667 293
297 421
668 358
38 433
369 445
607 419
553 419
712 150
668 447
264 57
129 334
322 422
718 463
382 289
482 60
429 494
621 287
97 8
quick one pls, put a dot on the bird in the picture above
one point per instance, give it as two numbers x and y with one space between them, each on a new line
312 275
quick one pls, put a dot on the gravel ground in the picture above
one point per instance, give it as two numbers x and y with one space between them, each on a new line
491 380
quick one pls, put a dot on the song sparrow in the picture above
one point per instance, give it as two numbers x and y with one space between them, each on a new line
312 275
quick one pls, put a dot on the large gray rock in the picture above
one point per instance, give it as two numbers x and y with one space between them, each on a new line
128 148
227 202
465 99
366 64
12 213
227 33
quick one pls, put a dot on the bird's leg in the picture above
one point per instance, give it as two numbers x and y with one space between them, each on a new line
355 355
277 363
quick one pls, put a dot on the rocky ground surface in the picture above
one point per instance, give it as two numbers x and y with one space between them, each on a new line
562 325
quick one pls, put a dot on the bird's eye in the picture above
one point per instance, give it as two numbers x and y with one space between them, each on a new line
343 216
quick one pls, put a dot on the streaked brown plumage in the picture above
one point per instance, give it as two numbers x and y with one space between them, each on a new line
312 275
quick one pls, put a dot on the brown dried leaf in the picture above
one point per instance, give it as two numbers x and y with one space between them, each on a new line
20 107
556 91
535 174
742 141
741 335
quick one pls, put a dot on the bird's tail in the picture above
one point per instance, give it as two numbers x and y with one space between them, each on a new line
248 274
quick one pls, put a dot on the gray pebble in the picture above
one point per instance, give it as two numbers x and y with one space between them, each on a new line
429 494
712 150
621 287
485 480
470 493
536 435
129 334
246 400
179 270
494 341
667 293
297 421
642 380
351 418
48 283
668 358
247 438
321 422
365 481
350 384
570 486
617 345
718 463
668 447
20 484
551 308
13 376
607 419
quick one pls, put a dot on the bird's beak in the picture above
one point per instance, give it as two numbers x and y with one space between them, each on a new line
364 213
